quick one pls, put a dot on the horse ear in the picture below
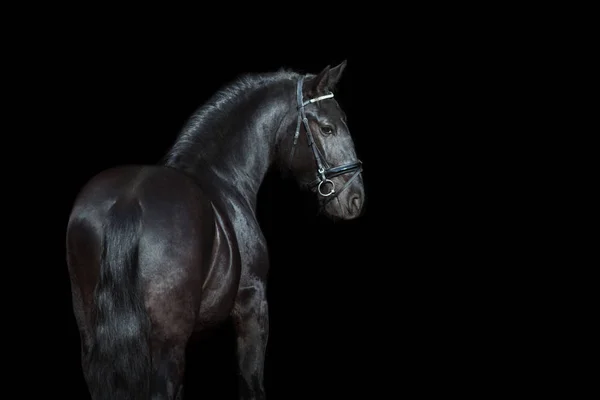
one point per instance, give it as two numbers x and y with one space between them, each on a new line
326 79
319 82
335 74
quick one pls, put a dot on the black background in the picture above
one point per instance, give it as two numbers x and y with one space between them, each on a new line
408 297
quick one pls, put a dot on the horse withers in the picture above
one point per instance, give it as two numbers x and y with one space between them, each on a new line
157 252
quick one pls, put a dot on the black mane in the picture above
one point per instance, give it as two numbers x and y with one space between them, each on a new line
210 129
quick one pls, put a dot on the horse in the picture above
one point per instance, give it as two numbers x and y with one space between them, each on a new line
158 252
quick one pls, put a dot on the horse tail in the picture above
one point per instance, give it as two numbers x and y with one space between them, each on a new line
119 359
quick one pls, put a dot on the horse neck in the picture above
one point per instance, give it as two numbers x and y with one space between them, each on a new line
230 142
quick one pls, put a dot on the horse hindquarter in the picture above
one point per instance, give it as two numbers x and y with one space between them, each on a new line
144 264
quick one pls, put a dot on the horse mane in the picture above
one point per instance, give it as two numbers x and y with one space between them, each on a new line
202 137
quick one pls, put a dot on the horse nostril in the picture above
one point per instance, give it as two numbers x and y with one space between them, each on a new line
355 204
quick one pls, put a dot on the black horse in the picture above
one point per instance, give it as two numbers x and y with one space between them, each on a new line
158 252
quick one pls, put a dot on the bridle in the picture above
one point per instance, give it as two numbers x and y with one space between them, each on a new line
324 171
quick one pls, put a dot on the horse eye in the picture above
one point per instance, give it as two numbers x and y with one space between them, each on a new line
327 130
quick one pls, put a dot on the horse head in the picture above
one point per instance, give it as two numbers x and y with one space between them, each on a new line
319 148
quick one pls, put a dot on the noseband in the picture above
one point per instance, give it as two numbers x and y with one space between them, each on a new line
324 171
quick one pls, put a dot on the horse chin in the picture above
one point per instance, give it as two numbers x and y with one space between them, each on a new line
334 211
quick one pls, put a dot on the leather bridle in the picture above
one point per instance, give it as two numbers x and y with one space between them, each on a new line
324 171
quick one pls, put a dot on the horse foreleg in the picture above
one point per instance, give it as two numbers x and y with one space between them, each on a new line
251 321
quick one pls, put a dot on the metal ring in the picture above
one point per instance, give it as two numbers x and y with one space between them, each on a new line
332 188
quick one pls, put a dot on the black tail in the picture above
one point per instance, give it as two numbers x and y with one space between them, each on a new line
119 360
